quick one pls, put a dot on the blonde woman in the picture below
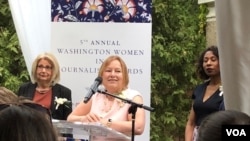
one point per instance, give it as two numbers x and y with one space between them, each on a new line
44 87
108 110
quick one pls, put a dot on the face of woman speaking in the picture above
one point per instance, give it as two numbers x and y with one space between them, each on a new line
211 64
44 70
112 77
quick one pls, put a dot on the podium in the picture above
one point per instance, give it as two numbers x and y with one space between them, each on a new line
89 131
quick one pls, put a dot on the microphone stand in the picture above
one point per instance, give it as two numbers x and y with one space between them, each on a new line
132 109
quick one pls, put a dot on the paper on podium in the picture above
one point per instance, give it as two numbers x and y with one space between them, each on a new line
90 131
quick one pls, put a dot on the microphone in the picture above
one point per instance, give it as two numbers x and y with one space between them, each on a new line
92 89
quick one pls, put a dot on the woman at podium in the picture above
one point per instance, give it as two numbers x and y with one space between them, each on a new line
111 111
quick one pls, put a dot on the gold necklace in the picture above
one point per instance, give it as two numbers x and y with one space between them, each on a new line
107 104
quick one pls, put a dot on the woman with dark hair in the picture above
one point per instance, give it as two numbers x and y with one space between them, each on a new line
25 122
211 126
207 97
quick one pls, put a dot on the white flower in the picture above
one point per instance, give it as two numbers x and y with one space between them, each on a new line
61 101
221 90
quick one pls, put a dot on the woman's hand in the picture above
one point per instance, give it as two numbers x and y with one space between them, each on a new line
91 117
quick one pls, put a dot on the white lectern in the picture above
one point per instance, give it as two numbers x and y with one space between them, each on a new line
89 131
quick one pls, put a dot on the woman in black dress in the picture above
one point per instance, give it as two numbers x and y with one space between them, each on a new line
208 96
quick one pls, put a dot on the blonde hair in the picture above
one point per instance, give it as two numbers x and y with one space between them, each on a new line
123 66
55 67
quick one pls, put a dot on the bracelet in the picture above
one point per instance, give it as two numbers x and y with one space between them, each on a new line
109 123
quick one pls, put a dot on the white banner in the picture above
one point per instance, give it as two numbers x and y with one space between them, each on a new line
83 34
81 55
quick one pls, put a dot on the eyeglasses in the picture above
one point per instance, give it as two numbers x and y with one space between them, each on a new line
41 67
33 106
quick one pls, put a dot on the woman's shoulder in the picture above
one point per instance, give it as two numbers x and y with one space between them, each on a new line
202 85
199 89
62 87
27 84
131 93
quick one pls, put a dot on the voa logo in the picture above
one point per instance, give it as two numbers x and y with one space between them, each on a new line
236 132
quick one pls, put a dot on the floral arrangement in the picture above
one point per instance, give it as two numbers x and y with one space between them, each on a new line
61 101
221 90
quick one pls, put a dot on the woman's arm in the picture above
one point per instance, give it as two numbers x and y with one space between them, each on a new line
80 112
190 126
126 126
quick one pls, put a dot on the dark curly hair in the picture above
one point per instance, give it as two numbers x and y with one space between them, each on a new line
200 70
